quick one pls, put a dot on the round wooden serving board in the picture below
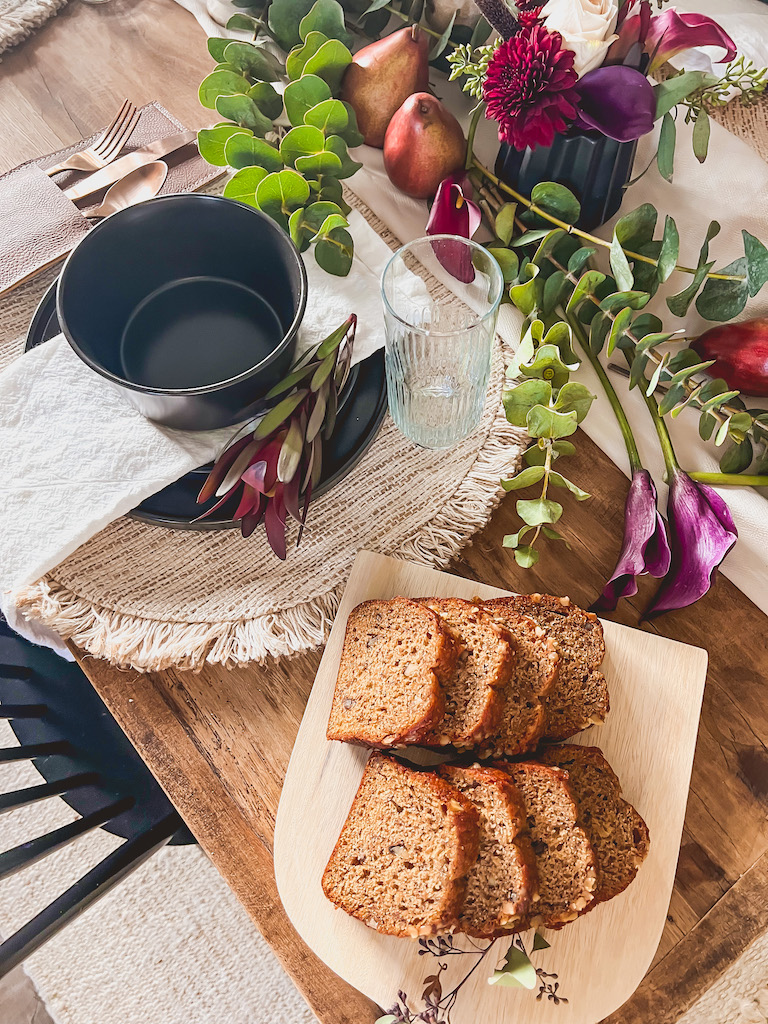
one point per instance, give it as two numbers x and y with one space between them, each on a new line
656 688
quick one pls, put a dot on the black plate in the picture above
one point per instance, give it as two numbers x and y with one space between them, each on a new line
362 410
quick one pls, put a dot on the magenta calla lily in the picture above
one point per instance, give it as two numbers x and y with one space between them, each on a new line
632 31
702 532
671 32
616 100
454 213
645 548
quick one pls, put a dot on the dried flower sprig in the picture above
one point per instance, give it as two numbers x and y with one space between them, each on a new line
274 462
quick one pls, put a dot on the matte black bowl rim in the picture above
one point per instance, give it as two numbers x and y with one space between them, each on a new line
108 223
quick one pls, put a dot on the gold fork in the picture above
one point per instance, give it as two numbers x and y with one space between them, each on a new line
106 148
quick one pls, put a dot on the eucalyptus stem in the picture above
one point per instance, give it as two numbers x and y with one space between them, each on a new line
668 451
473 122
571 230
610 392
404 17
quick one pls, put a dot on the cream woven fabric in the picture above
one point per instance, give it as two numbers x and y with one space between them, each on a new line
149 598
20 18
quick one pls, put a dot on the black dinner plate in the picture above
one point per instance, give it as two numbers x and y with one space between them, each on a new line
361 411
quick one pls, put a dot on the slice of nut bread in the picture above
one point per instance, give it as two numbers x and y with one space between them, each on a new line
503 882
580 695
565 859
397 655
617 832
535 674
474 693
402 860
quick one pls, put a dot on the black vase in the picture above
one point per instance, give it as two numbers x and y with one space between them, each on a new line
595 168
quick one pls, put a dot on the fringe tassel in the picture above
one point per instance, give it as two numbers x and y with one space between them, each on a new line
22 22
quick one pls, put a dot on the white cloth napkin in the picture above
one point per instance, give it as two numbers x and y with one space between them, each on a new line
75 455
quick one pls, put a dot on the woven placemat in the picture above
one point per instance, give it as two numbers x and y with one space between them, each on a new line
149 598
20 18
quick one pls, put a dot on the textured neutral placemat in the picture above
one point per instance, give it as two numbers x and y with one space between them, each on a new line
149 598
20 18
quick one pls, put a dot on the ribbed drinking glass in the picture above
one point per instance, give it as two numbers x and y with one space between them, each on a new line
441 299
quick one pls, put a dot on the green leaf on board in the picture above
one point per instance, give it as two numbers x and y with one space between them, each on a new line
525 478
243 111
544 422
512 540
212 141
620 266
221 83
670 249
539 942
700 136
242 186
665 155
757 262
519 401
303 95
526 557
560 481
246 151
724 300
535 511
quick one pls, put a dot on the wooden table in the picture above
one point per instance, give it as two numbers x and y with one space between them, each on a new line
219 742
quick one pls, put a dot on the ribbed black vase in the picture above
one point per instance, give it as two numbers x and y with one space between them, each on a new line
595 168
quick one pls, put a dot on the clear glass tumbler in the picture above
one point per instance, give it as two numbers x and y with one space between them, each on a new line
438 343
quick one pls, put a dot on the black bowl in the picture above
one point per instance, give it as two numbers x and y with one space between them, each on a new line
189 304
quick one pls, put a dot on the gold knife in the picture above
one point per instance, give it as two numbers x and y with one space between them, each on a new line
113 172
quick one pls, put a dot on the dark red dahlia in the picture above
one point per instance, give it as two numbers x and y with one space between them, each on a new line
528 12
529 87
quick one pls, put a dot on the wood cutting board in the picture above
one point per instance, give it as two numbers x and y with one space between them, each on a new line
596 963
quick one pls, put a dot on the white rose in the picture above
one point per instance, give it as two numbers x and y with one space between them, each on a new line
587 28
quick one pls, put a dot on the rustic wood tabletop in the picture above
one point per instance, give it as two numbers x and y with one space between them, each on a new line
219 741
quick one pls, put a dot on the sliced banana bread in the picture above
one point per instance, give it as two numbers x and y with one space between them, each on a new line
617 832
474 693
565 859
502 883
523 718
396 658
402 859
580 695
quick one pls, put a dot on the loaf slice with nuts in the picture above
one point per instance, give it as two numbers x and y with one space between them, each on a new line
475 690
397 657
565 859
617 832
534 676
402 860
503 883
580 695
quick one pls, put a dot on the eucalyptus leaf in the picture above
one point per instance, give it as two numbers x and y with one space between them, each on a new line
757 262
243 111
376 5
330 116
620 324
212 142
560 481
679 303
325 16
535 511
529 237
574 397
442 42
329 63
636 228
351 133
317 165
481 33
665 156
588 283
242 186
598 332
547 365
303 95
525 478
737 458
331 222
284 19
700 136
556 287
297 59
336 145
618 300
334 253
543 422
722 432
216 48
241 23
221 83
707 424
246 151
670 249
280 193
674 90
267 99
305 140
526 557
508 261
620 266
578 261
526 295
505 222
520 400
675 394
254 61
653 383
512 540
724 300
556 200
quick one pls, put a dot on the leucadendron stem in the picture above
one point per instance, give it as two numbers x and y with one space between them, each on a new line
610 393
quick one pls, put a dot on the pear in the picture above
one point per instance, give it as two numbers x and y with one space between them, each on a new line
382 75
424 144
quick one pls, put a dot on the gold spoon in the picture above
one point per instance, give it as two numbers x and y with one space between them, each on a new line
139 184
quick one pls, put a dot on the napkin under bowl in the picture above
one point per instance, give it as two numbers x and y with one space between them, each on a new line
188 304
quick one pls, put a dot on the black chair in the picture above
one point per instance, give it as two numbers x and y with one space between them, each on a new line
65 730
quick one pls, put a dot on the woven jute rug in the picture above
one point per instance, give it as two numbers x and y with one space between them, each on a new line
20 18
148 598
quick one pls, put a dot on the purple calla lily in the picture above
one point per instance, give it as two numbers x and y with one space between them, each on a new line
645 548
632 31
671 32
616 100
453 213
702 533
